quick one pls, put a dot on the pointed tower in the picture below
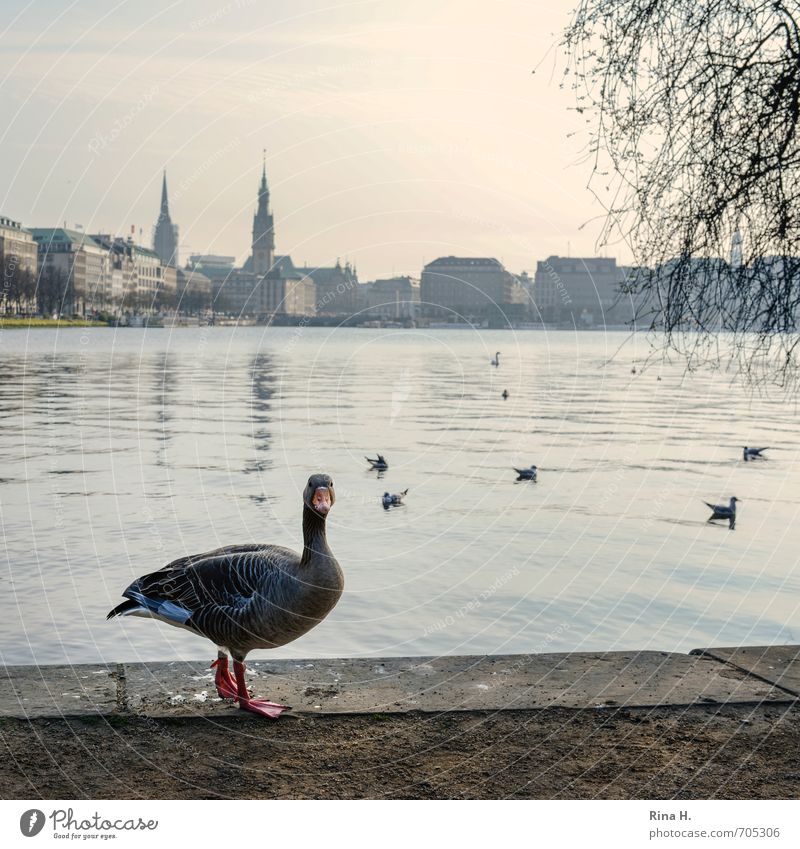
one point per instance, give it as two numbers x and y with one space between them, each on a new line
263 229
736 250
165 235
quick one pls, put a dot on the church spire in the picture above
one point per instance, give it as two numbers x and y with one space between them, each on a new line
164 199
263 232
165 235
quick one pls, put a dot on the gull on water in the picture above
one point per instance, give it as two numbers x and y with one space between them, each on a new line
396 500
722 513
379 464
526 474
753 453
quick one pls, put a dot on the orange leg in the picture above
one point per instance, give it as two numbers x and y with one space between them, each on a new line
246 702
223 680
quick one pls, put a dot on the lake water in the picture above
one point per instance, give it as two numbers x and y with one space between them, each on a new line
123 449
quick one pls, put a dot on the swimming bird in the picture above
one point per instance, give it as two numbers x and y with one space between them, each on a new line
390 500
378 465
496 360
526 474
753 453
720 511
505 394
245 597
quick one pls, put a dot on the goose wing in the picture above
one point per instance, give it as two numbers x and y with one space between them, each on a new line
226 579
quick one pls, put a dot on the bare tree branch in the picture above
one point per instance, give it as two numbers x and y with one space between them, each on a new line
693 109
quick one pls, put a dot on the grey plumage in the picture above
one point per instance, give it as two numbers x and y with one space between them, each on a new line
526 474
395 500
719 512
753 453
379 464
245 597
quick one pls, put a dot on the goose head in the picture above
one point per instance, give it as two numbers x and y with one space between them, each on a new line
319 495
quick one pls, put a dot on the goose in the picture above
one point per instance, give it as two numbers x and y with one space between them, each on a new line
379 464
390 500
753 453
720 511
245 597
526 474
496 360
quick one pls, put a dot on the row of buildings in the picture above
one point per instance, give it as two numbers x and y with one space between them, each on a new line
67 271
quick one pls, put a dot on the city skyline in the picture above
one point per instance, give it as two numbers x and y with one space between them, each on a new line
466 152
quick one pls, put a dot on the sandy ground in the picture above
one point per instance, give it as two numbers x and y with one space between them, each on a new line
698 752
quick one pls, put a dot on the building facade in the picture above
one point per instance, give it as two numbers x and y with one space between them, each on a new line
458 289
338 292
165 234
19 263
194 291
282 293
80 264
392 299
214 266
585 291
138 281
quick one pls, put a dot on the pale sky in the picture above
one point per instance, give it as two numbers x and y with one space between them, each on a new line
395 132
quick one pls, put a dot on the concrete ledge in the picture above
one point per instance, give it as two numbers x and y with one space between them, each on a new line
398 685
34 691
778 665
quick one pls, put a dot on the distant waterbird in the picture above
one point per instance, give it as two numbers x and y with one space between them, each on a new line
528 474
395 500
379 464
496 360
719 512
505 394
246 597
753 453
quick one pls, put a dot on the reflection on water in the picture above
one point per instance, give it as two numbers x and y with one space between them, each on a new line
121 450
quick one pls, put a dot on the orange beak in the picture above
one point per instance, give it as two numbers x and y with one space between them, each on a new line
321 500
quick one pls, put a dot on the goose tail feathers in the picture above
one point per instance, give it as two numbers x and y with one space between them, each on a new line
127 607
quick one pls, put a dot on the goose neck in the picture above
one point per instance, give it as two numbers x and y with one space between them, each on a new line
315 541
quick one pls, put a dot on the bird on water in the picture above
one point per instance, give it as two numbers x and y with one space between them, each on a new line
723 513
526 474
396 500
379 464
753 453
496 360
246 597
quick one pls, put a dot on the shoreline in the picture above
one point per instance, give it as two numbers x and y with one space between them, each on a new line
575 681
717 723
